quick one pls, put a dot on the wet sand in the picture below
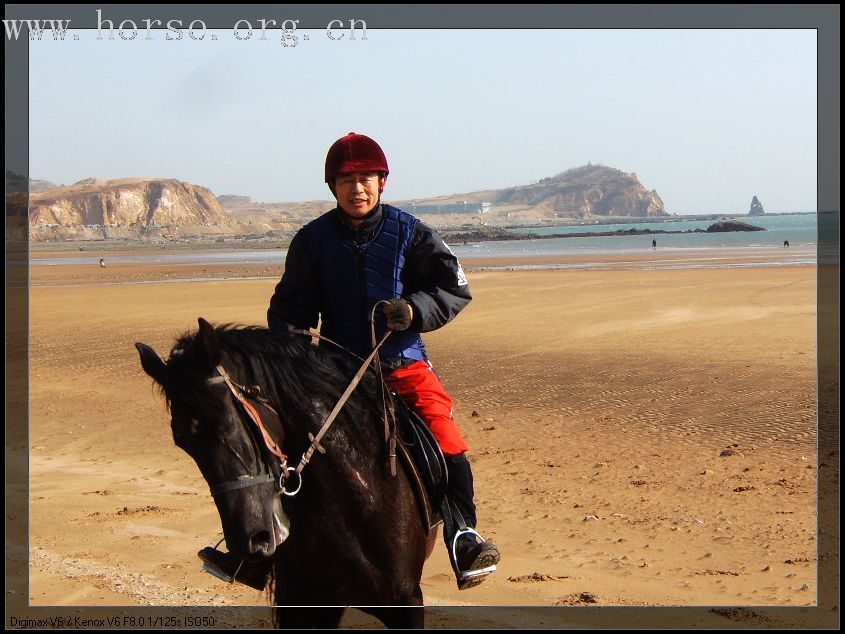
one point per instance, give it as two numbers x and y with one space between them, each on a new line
643 437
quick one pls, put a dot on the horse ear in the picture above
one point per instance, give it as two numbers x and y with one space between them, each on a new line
210 344
152 363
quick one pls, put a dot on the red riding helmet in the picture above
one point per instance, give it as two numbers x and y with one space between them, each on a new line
354 153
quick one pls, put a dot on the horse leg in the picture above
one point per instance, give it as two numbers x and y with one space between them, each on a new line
324 618
409 614
402 617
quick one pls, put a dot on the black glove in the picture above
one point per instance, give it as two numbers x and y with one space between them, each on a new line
398 312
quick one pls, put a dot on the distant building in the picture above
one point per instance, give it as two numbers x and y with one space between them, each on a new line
462 207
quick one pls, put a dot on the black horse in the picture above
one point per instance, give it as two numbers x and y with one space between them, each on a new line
356 536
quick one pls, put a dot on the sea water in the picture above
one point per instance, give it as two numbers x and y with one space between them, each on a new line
799 229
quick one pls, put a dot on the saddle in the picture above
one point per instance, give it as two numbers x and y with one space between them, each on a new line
425 466
423 461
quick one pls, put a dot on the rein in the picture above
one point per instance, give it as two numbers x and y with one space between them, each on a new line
390 435
315 440
242 393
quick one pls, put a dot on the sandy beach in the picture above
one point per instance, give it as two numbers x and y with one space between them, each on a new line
642 438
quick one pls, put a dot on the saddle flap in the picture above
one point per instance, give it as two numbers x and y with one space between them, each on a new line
424 452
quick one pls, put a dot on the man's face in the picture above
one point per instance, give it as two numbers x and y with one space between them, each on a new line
358 192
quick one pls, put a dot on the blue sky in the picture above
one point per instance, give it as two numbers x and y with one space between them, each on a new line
708 118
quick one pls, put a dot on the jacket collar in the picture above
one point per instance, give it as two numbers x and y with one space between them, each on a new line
366 228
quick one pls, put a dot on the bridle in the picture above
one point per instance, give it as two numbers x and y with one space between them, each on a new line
242 395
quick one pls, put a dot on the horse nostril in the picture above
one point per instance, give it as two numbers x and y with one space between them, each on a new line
261 544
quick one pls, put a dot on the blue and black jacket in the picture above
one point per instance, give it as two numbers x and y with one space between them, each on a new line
336 274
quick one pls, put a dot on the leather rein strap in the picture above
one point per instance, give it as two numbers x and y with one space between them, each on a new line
390 435
386 403
315 440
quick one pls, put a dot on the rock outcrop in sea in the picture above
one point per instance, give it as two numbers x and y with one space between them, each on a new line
732 225
756 208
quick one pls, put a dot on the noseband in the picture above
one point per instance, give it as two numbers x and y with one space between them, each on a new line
242 394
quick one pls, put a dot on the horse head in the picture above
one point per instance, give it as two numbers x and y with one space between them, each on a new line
212 425
355 535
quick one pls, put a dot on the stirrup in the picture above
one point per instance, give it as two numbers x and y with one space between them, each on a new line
474 576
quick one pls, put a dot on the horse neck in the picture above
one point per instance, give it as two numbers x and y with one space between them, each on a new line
354 443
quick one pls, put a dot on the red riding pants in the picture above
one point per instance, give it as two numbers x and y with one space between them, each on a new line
422 390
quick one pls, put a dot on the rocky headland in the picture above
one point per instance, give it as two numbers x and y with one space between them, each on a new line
168 209
95 208
590 190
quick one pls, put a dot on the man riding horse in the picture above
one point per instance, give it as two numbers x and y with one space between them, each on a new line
365 253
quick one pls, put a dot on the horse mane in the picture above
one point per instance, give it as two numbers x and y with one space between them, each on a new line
291 372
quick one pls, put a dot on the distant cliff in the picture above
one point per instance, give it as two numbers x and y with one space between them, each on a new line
127 202
40 185
591 190
582 192
126 207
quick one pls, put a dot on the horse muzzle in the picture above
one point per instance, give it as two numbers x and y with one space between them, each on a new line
263 543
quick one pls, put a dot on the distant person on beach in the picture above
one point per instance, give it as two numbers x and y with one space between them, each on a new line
102 263
786 243
367 257
654 244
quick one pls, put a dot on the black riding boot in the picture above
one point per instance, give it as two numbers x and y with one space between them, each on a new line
472 557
